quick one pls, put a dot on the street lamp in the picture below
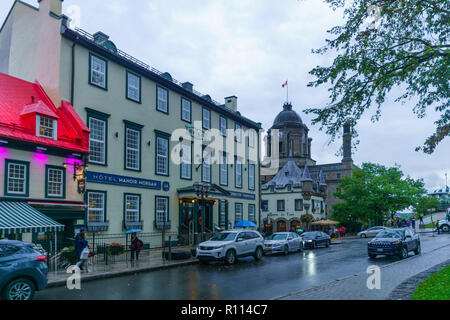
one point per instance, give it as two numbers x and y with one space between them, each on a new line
201 190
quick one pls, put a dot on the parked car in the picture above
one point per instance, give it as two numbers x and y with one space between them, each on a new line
22 270
230 245
283 242
371 232
444 225
394 242
315 238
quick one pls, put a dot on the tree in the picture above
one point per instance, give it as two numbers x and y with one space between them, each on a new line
374 192
408 47
424 203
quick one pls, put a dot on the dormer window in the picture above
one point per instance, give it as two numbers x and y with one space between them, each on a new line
46 127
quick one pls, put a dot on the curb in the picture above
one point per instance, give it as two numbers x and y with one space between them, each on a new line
405 290
114 274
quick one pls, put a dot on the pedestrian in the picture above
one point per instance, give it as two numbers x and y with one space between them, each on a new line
413 223
437 227
408 224
362 228
82 249
136 246
338 232
421 219
343 231
330 232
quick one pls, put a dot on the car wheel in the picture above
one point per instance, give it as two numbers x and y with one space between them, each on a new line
230 257
372 256
404 253
258 253
418 249
327 244
445 228
286 250
364 235
19 289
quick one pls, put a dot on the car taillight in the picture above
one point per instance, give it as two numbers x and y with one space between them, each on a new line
41 258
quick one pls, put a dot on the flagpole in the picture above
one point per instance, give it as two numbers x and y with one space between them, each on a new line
287 91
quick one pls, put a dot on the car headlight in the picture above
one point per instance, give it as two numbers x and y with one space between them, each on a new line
309 241
219 247
397 242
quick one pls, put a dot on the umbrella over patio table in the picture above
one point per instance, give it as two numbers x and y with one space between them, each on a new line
325 223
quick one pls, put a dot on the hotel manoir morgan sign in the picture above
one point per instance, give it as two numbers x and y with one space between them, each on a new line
98 177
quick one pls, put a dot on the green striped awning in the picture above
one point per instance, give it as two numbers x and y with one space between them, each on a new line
20 217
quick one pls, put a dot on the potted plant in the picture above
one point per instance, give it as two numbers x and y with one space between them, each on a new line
69 254
114 249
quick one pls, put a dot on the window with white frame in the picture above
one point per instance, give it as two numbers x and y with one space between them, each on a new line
238 173
186 107
251 176
206 165
55 182
222 213
280 205
251 213
162 155
238 132
132 152
298 204
97 141
162 209
132 207
223 170
206 119
238 212
17 178
186 161
96 207
251 138
133 87
98 71
46 127
223 126
163 99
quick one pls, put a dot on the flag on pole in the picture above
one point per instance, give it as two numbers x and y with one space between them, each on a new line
285 84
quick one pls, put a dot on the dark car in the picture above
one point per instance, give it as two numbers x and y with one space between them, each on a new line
394 242
315 238
22 270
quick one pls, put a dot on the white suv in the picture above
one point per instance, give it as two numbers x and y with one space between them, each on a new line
230 245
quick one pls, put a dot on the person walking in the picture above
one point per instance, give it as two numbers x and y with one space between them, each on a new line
413 223
136 246
408 224
421 219
82 249
437 227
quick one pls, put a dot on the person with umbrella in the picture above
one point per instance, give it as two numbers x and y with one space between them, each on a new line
136 244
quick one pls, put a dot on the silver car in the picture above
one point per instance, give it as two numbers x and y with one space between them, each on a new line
283 242
371 232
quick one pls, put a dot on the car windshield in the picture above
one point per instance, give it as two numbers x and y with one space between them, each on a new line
389 234
309 234
276 236
224 236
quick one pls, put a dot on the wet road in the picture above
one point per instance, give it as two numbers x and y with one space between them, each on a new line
271 277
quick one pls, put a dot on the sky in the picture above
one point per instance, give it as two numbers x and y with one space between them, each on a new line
249 48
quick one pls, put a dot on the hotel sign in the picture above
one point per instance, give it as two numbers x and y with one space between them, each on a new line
105 178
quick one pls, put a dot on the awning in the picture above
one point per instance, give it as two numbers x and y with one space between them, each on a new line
20 217
325 223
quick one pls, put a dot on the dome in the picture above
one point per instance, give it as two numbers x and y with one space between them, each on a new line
287 118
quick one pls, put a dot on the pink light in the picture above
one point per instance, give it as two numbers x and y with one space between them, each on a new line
74 161
40 158
4 152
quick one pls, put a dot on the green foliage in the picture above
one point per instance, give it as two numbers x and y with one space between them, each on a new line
436 287
374 192
409 50
425 203
69 254
306 218
115 249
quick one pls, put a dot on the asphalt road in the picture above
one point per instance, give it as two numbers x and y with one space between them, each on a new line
272 277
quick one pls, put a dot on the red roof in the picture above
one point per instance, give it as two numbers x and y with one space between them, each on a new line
21 100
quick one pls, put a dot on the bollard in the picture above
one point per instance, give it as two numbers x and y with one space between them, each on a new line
170 248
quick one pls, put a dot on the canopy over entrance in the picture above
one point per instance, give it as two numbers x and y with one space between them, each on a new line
325 223
20 217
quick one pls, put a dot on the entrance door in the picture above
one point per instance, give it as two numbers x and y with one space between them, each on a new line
186 227
281 226
295 225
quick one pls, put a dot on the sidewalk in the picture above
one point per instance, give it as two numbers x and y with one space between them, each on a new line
151 261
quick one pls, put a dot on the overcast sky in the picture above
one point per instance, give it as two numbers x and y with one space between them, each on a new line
248 48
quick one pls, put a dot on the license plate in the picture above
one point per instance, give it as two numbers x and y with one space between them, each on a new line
267 249
380 250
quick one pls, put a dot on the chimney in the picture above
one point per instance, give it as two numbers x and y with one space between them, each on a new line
231 103
188 86
347 147
53 6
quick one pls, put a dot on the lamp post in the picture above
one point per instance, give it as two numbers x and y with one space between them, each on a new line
307 205
201 190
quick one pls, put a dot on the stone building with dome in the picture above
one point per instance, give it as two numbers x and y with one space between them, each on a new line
288 141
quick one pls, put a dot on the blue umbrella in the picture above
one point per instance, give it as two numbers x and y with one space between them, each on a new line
244 224
133 231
